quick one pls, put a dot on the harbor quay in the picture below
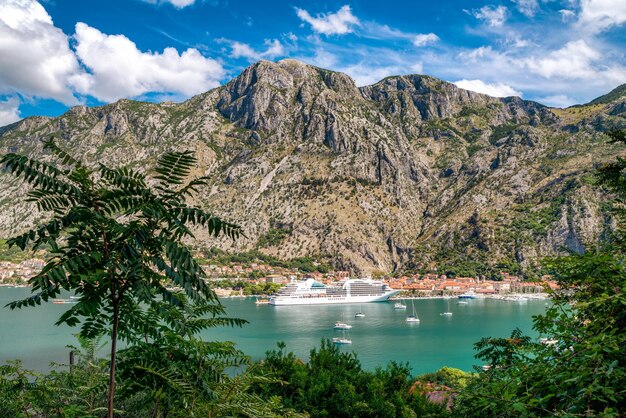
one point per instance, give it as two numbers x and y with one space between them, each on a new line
227 280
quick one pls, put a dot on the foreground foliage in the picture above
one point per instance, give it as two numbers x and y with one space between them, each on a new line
116 242
333 384
180 376
580 368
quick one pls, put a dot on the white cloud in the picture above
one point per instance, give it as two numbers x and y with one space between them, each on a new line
517 41
527 7
476 54
322 58
492 15
36 57
37 61
558 100
417 68
574 60
374 30
273 49
239 50
578 69
179 4
600 15
424 39
365 74
118 69
492 89
9 111
567 15
338 23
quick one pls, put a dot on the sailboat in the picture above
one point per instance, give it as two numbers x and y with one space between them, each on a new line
399 305
342 340
413 317
360 313
447 313
342 324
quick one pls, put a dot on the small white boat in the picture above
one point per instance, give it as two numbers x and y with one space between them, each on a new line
359 315
447 313
462 302
63 301
262 302
399 305
516 298
413 317
342 325
342 340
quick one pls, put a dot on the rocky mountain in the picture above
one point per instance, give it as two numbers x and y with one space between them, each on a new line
409 173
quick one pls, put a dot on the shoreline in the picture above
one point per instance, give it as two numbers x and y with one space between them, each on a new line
499 296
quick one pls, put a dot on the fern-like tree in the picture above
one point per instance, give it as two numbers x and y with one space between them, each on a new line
114 240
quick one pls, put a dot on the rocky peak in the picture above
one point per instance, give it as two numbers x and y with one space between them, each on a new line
266 94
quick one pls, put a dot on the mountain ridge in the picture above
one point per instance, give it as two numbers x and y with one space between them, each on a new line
411 172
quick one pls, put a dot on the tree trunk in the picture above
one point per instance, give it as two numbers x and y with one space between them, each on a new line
116 318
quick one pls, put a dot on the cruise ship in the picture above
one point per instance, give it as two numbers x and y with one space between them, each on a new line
312 292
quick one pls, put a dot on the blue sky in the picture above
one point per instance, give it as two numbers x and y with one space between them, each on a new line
61 53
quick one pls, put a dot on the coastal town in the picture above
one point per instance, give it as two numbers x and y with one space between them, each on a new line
228 280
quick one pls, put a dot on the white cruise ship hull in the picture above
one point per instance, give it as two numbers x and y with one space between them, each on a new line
328 300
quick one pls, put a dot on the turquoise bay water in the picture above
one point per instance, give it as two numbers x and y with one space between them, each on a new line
382 336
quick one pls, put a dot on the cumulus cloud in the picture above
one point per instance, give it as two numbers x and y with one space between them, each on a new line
37 61
492 15
600 15
574 60
9 111
338 23
179 4
36 57
495 89
527 7
424 39
274 48
117 68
